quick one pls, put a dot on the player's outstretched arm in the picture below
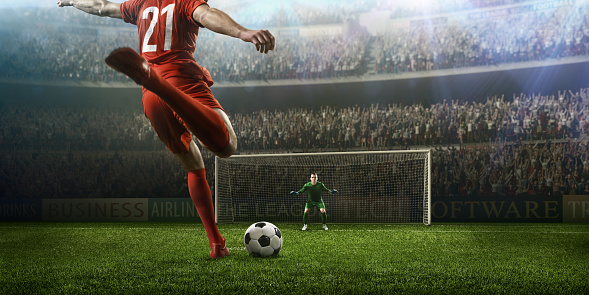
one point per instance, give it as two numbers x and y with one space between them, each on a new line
219 22
96 7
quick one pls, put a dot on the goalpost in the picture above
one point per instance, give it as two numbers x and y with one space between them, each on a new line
373 187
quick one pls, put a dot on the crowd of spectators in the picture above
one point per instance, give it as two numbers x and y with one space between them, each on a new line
562 115
61 54
61 45
527 144
405 9
480 145
295 58
512 169
78 129
69 55
68 174
526 118
270 13
517 36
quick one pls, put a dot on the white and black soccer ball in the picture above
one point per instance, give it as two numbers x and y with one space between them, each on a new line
263 239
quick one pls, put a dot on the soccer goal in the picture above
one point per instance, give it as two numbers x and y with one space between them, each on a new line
373 187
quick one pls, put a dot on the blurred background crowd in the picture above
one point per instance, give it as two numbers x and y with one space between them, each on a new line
530 144
57 44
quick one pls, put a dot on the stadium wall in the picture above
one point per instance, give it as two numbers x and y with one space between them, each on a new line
424 88
99 209
548 209
566 208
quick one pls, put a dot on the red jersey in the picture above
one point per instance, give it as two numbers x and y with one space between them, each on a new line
167 35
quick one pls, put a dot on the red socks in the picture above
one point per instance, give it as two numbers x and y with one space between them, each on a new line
202 199
203 121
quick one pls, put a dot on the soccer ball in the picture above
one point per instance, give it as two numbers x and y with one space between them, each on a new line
263 239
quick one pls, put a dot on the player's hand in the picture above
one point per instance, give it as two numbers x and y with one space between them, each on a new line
263 39
62 3
333 191
294 193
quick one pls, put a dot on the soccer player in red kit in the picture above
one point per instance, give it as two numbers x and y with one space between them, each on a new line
176 94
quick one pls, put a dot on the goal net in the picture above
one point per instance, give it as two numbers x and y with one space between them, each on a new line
373 187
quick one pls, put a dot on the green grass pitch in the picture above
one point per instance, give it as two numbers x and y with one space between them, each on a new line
172 258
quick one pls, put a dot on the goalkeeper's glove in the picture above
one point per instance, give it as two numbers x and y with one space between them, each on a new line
294 193
333 191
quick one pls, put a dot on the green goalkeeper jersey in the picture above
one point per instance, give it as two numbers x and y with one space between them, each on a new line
314 191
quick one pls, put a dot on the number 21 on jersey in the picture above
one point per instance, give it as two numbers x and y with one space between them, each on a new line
169 12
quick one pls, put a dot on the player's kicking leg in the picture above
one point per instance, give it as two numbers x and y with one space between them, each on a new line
210 127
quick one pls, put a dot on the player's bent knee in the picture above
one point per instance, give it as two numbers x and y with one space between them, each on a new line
231 147
228 151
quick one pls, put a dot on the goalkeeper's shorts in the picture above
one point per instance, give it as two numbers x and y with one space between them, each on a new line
311 204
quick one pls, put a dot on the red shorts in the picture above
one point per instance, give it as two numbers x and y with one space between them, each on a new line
167 124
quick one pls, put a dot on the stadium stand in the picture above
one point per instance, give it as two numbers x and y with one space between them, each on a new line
533 144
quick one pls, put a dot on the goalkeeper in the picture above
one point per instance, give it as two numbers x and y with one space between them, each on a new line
314 189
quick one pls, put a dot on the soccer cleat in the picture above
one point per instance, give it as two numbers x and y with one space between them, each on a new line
304 227
325 227
219 250
128 62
